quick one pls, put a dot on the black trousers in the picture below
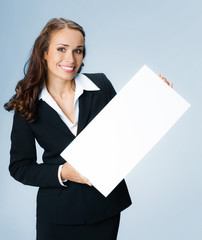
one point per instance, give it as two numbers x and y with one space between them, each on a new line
103 230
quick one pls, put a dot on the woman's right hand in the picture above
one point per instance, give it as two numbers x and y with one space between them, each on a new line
69 173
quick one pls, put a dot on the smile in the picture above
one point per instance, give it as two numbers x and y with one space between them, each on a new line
67 68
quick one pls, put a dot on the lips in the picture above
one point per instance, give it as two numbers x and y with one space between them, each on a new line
68 69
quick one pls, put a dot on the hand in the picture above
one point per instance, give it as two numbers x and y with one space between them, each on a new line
165 80
68 172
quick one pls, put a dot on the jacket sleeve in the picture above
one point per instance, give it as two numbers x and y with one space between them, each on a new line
23 158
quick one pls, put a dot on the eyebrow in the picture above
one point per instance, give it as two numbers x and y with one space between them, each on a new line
66 45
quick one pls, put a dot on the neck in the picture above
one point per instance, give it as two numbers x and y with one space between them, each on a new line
61 89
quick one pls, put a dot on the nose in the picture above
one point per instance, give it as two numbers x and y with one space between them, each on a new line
69 56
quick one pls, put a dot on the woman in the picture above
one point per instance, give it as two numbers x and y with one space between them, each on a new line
52 105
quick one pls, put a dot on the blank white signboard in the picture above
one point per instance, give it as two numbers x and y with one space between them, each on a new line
125 130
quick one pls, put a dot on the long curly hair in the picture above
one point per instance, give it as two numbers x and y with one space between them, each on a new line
28 89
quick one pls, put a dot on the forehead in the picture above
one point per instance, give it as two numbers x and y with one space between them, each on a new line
67 36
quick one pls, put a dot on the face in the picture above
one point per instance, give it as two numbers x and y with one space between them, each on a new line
64 55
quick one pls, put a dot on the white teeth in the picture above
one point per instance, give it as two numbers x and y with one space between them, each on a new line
67 68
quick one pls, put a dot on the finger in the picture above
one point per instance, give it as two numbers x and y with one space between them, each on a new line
85 180
165 80
89 183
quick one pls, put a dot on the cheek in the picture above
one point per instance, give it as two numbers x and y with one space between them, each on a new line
53 57
80 59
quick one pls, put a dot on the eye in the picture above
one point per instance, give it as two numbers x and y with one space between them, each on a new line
61 49
78 51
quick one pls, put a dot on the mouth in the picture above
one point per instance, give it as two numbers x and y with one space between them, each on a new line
68 69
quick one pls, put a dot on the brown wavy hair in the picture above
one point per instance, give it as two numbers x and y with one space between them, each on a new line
28 89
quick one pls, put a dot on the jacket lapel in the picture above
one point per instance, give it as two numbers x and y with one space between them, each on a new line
50 115
85 101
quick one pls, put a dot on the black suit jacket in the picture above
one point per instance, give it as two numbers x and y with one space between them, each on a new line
76 203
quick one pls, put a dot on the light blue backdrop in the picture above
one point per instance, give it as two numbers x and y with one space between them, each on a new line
166 186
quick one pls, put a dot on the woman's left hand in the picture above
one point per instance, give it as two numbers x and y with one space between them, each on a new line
165 80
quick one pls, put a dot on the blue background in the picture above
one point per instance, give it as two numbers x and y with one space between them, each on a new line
166 186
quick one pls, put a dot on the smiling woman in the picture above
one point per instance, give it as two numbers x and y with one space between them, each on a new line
53 103
65 53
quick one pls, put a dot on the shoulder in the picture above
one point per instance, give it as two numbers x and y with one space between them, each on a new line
100 80
103 83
